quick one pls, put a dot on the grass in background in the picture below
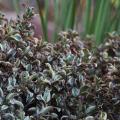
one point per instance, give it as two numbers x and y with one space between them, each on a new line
64 16
16 6
99 17
87 16
105 18
43 18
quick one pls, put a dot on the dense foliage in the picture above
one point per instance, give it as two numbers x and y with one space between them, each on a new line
62 81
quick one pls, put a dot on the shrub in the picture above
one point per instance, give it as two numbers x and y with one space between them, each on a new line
66 80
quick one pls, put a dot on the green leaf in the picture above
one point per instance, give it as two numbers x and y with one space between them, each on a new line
8 116
32 109
90 118
51 70
27 118
1 47
70 58
17 63
33 77
16 37
16 102
54 115
24 75
103 116
11 83
84 89
47 95
11 96
90 109
1 92
28 67
46 110
75 91
4 107
27 50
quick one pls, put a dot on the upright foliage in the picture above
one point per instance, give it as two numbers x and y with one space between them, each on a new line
43 18
16 6
64 16
104 18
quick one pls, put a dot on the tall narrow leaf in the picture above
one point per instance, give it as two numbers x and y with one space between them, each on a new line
16 6
56 19
43 21
87 16
94 17
64 8
100 23
71 15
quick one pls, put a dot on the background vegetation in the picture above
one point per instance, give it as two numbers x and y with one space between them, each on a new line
99 16
92 18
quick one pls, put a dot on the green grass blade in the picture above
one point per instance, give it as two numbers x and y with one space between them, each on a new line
56 19
117 27
111 25
16 6
64 8
46 12
87 16
94 17
71 15
43 21
100 23
108 21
